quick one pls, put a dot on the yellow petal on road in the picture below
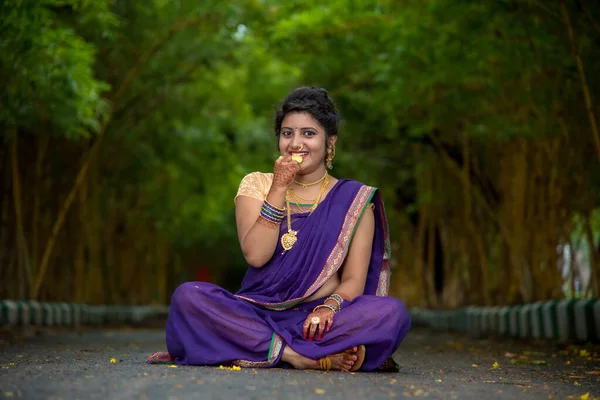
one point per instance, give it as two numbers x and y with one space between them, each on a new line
172 366
113 360
474 365
496 365
585 396
319 391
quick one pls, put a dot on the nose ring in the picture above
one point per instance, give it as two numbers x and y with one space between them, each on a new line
301 147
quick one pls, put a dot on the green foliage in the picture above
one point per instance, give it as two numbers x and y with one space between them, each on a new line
183 93
47 70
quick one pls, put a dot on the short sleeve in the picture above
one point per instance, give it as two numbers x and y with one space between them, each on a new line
255 185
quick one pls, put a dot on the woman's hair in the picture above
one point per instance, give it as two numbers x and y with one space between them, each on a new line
314 101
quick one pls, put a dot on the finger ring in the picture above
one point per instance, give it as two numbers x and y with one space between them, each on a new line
315 320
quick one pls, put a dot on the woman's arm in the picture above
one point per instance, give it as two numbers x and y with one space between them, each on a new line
354 275
257 236
356 265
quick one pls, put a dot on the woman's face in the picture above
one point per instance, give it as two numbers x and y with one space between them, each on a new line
301 134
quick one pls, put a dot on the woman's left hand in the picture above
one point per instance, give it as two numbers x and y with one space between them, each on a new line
325 320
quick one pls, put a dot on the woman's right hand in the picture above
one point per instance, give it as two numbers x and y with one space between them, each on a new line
284 172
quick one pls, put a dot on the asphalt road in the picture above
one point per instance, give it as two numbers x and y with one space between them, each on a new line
77 365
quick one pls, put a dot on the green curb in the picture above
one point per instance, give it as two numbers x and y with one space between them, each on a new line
566 319
13 312
503 321
472 319
24 316
9 312
37 316
525 321
535 320
514 321
550 320
494 319
584 320
485 319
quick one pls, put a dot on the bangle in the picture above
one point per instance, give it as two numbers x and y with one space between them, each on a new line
332 308
337 298
339 305
274 209
271 213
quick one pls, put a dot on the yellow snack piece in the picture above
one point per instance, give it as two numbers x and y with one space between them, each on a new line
297 158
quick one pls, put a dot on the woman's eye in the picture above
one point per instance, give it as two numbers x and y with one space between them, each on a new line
286 133
309 133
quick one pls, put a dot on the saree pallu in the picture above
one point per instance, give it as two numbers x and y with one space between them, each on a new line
208 325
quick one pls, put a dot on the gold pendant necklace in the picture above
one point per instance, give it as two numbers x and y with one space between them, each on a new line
290 238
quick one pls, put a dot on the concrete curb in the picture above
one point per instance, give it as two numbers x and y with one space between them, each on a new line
565 320
22 313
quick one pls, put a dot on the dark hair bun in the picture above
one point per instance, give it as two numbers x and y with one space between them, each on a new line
313 100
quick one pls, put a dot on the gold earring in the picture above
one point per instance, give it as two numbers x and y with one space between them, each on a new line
330 157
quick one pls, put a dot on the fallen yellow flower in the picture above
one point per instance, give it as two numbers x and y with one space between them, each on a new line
172 366
233 368
585 396
496 365
319 391
113 360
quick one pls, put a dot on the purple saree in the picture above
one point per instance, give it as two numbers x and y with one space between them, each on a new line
208 325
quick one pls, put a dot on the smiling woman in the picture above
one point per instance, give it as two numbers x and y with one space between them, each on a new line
315 294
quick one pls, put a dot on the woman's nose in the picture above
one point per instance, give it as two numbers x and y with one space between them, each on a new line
296 143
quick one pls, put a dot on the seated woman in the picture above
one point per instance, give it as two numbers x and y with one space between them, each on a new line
315 294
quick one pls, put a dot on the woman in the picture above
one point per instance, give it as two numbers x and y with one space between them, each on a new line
314 296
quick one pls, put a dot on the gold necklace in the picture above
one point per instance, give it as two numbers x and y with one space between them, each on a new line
296 202
290 238
300 197
305 185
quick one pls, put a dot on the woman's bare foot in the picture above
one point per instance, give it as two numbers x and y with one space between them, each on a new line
160 357
339 362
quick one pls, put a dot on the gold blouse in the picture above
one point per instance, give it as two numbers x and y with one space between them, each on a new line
255 185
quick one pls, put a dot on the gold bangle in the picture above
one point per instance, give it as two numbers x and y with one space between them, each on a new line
332 308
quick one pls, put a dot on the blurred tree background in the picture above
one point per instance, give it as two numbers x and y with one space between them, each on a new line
126 127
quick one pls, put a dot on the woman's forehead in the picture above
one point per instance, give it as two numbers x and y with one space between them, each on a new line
300 120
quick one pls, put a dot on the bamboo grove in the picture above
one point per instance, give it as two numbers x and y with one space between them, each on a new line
127 126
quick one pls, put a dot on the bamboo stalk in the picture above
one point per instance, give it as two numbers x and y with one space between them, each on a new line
42 142
60 219
593 286
431 263
582 78
4 213
22 248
